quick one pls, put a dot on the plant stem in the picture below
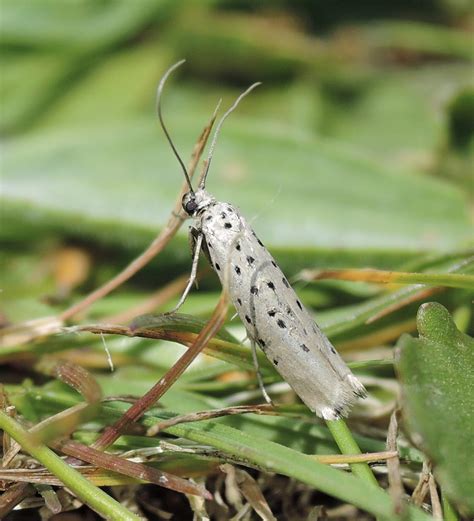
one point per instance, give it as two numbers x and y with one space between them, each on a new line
347 445
93 496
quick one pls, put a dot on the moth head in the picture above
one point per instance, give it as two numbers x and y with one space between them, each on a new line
194 202
190 205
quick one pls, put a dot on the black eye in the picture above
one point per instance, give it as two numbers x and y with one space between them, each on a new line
191 206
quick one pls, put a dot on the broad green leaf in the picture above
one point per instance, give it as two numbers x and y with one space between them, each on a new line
420 37
22 99
79 26
398 117
437 375
303 192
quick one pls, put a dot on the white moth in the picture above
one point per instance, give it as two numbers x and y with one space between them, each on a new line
269 308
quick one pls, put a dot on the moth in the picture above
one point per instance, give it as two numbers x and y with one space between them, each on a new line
274 317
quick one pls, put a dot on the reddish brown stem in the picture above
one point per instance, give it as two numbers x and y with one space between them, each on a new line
111 433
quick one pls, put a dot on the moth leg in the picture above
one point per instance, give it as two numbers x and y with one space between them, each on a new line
197 235
259 374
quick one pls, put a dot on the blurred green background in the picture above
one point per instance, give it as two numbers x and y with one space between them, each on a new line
355 151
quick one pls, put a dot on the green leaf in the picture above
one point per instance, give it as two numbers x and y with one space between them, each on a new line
421 37
76 26
398 117
317 194
437 375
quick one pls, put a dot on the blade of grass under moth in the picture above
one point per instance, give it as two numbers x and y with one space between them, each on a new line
175 221
216 321
260 452
271 410
274 457
94 497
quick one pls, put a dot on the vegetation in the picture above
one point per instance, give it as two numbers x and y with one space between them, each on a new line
354 162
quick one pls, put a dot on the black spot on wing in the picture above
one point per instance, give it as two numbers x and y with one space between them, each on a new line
275 361
271 285
254 290
227 225
223 215
247 318
281 323
272 312
218 268
285 282
274 264
250 260
298 303
237 247
305 348
261 342
239 302
237 270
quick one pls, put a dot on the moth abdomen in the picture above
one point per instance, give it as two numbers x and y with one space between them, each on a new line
274 316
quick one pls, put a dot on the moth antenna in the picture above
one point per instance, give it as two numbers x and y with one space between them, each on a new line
202 184
159 93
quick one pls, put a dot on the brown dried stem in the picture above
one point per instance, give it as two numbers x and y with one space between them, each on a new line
395 483
14 495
